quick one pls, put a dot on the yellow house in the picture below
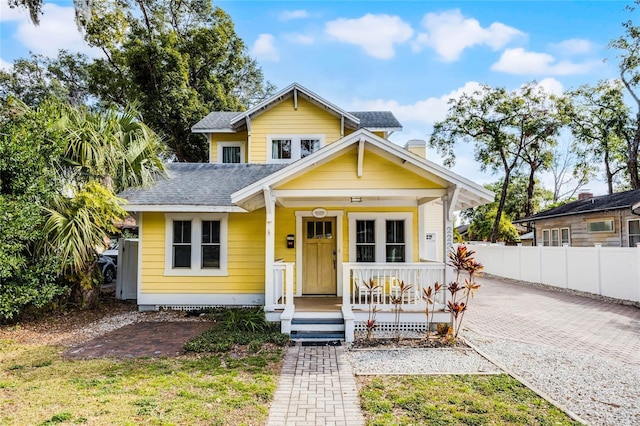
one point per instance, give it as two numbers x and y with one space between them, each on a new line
301 205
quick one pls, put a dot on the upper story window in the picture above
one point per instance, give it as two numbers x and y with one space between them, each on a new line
231 152
288 148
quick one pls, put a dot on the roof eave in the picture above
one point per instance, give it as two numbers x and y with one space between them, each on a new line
226 130
176 208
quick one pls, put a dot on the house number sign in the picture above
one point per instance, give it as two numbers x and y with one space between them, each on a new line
319 213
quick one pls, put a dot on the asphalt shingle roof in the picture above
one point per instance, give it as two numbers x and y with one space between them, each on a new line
201 184
376 119
221 120
620 200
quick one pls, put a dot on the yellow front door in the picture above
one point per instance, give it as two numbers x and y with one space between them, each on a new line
319 253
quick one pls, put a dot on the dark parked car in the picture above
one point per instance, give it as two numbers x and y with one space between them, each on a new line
108 268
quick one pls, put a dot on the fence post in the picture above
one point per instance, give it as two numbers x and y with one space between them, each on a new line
638 272
540 245
598 261
566 264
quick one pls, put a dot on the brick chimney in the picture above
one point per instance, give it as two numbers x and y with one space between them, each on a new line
585 195
417 146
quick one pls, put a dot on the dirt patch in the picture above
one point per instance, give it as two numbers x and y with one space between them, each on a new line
142 339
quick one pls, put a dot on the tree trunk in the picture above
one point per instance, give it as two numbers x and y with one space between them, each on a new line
632 160
528 208
86 290
503 197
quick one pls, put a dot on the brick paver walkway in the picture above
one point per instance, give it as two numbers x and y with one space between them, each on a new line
140 340
546 317
316 387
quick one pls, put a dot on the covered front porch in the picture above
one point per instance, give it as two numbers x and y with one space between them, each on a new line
368 286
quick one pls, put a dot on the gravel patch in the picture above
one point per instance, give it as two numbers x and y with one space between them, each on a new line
419 361
599 390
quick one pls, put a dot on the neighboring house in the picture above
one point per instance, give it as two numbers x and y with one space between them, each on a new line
608 220
301 204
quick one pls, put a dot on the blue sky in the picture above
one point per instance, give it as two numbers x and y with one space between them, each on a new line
407 57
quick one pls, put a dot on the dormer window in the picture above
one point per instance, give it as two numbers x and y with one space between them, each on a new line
231 152
288 148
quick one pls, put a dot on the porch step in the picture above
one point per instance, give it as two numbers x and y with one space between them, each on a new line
317 336
306 328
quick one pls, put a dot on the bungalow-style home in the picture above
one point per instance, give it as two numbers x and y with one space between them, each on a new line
608 220
302 205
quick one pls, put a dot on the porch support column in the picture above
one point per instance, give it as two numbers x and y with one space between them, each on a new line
269 204
448 206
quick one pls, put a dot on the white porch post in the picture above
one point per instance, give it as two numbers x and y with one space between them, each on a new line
269 204
448 207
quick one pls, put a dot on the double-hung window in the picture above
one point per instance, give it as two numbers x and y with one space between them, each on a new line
196 244
395 248
634 232
287 148
181 244
380 237
546 237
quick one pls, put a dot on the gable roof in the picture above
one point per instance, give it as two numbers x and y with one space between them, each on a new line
470 195
232 121
620 200
377 120
196 186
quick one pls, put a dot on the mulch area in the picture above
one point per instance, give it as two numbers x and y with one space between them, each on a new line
143 339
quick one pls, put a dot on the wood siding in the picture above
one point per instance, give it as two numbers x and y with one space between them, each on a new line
580 237
341 173
246 249
225 137
283 119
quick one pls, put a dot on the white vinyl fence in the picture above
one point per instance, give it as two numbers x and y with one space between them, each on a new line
607 271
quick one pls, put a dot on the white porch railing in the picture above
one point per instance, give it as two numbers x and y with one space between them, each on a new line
282 290
388 278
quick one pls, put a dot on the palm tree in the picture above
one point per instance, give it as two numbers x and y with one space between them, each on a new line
103 152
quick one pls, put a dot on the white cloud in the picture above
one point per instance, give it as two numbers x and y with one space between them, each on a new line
264 49
4 65
574 46
426 111
57 30
376 34
519 61
551 85
288 15
8 14
298 38
449 33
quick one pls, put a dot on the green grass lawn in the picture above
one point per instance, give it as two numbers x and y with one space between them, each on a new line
39 387
454 400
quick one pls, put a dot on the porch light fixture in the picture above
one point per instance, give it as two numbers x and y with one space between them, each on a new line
356 199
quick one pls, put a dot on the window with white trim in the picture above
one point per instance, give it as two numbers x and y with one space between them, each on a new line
395 241
634 232
288 148
231 152
565 236
380 237
600 226
196 244
555 237
546 237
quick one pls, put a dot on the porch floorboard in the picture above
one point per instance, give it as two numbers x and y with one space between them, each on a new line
318 304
